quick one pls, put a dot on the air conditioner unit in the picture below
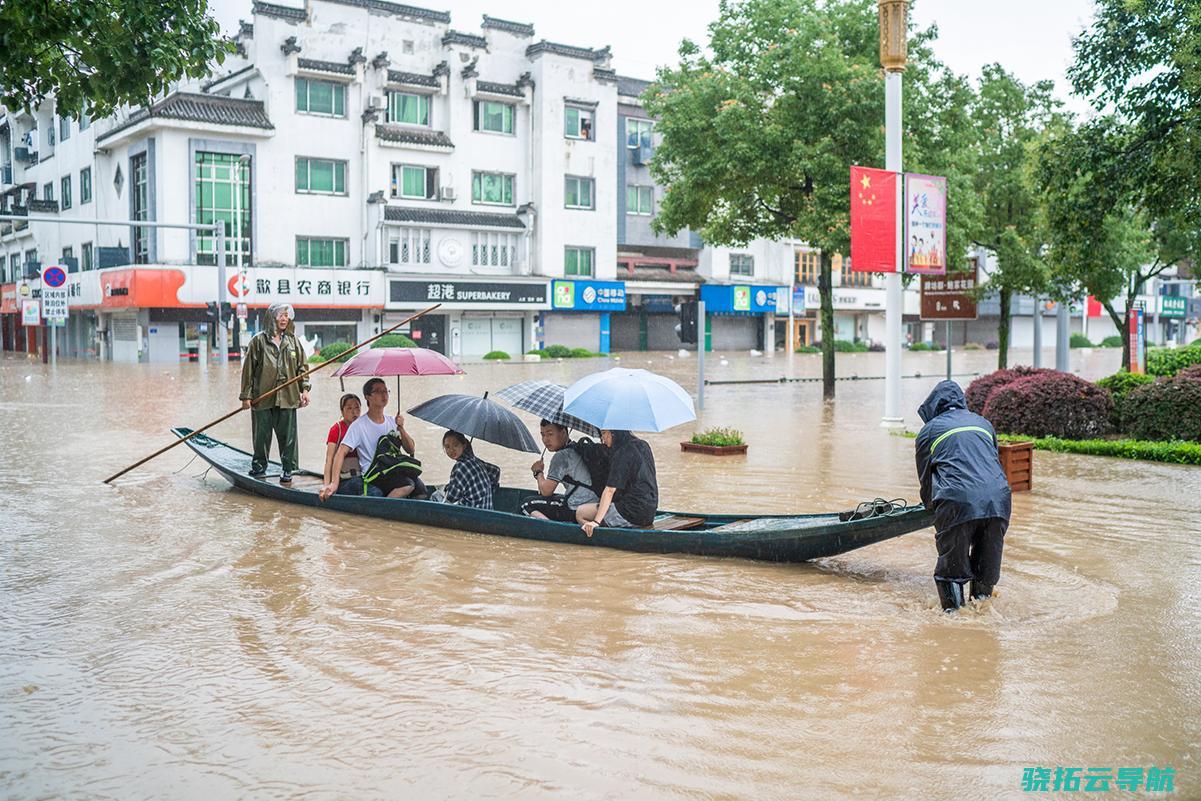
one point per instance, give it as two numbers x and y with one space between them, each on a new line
448 193
375 101
21 153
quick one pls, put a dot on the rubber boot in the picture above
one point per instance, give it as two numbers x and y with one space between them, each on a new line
950 594
980 590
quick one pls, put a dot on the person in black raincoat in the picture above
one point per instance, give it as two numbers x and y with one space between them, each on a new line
964 485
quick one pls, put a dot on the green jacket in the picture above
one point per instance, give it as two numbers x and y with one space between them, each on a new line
267 365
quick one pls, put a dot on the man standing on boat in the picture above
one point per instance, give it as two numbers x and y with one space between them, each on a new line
964 485
274 357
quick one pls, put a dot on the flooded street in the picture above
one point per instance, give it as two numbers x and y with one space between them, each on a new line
169 637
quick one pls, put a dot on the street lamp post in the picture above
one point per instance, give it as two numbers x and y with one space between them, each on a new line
894 23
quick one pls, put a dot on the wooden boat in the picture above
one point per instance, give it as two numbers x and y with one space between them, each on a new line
775 538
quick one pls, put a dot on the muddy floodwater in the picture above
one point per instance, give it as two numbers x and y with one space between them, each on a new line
169 637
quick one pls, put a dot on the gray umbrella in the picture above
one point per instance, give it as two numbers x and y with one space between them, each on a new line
545 399
479 418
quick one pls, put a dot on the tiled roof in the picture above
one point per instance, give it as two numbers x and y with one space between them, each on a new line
510 89
633 87
192 107
206 86
471 40
413 136
518 28
412 78
280 12
586 53
467 219
603 74
399 9
325 66
660 274
635 252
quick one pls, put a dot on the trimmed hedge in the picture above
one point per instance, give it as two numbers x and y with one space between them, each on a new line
1113 341
718 436
1079 341
1119 384
583 353
925 346
1151 451
1051 403
393 341
556 352
808 349
496 356
333 349
979 390
1168 409
843 346
1170 361
973 346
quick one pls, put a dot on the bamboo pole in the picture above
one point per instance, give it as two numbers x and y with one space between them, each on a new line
269 393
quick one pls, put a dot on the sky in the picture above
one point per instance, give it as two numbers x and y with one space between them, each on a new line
1030 38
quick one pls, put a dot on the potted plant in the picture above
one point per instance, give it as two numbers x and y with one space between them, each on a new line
717 441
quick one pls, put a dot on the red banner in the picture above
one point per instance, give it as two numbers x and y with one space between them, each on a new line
873 220
1094 307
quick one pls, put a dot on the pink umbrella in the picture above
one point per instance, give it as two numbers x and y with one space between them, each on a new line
381 362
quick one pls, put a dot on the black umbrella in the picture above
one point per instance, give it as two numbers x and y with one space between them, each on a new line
477 417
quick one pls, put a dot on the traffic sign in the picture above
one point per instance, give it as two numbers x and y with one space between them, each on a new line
54 303
53 276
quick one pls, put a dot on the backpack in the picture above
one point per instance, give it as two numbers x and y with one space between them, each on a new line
596 459
391 465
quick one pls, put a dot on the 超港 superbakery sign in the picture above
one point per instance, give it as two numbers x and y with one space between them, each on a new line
468 293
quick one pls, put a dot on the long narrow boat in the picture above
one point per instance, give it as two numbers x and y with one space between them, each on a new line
774 538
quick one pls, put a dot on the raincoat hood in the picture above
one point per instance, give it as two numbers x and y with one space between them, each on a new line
945 396
273 311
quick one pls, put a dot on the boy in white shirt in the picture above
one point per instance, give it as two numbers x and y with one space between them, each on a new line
362 438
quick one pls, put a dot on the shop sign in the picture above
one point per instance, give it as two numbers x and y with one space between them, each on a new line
1173 305
571 295
949 297
866 299
740 298
471 293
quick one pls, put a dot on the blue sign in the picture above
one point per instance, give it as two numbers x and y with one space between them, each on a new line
571 295
739 299
54 277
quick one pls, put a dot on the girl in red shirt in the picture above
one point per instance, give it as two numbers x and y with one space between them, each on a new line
350 465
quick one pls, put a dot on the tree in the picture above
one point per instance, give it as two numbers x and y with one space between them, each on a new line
758 138
101 54
1010 119
1123 191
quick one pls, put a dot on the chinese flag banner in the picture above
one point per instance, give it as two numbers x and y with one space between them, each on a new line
873 220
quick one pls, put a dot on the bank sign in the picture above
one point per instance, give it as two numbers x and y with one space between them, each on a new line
607 296
467 294
742 298
1173 305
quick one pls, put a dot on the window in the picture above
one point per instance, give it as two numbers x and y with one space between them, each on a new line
495 117
48 191
314 252
580 193
85 185
408 109
14 267
64 128
638 133
85 253
640 199
493 250
66 191
742 264
140 198
406 46
578 261
68 253
414 181
492 187
320 97
808 267
223 195
85 122
409 246
321 176
577 122
842 266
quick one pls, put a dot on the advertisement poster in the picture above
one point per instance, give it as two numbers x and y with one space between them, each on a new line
925 224
1137 355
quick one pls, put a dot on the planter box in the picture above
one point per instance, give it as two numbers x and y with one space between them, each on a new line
716 450
1017 460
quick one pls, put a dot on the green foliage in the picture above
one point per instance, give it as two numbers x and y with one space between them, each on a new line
583 353
1080 341
1051 403
1169 408
556 352
845 346
1150 451
99 56
534 352
1113 341
1170 361
1118 385
973 346
718 436
496 356
394 341
808 349
929 346
335 348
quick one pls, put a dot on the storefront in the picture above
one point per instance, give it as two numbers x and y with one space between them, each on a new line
653 296
858 314
580 315
475 317
742 316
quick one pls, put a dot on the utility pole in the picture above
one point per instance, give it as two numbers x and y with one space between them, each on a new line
894 24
